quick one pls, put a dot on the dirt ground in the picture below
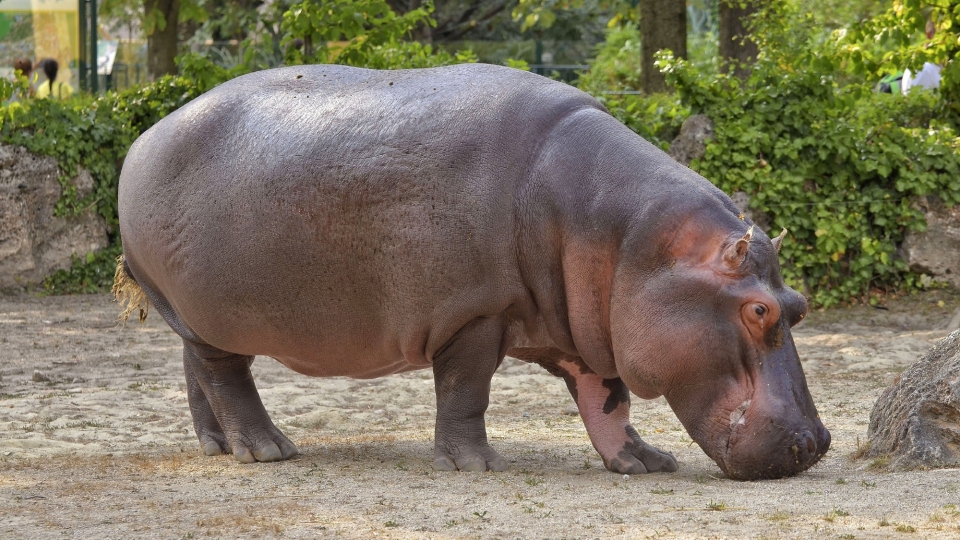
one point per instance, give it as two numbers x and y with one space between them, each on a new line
96 441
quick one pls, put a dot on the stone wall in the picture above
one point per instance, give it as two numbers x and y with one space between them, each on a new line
33 242
935 251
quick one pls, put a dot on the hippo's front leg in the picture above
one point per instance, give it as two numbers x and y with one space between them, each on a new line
462 374
604 405
228 415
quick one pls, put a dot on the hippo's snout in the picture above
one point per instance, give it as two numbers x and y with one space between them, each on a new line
773 452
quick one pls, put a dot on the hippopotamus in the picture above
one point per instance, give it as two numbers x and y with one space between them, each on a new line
360 223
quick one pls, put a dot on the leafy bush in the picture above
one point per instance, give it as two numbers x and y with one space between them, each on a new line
835 164
656 118
617 64
346 31
895 40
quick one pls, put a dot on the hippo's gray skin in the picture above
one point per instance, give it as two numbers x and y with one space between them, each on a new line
362 223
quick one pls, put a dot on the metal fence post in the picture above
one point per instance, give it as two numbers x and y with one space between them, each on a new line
94 76
82 60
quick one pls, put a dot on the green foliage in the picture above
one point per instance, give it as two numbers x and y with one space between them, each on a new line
656 118
88 274
836 166
7 88
547 15
346 31
897 39
76 132
412 54
518 64
617 64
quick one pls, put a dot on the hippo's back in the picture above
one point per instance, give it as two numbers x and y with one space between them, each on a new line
321 211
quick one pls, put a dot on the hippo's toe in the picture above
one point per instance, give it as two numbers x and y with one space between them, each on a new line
277 447
479 460
212 448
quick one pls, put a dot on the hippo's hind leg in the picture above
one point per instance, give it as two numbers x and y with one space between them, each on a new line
462 373
604 405
223 392
212 440
228 415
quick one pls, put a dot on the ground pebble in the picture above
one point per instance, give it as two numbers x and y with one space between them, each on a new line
571 410
526 415
39 376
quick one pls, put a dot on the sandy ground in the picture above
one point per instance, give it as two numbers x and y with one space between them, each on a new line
96 441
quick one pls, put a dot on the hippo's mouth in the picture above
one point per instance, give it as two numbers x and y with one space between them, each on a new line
771 451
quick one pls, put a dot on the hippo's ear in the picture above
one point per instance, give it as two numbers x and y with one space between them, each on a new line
779 240
735 253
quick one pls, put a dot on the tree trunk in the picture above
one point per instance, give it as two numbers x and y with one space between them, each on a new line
162 42
737 50
663 25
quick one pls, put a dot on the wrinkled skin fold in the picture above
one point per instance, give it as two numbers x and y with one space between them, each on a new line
351 222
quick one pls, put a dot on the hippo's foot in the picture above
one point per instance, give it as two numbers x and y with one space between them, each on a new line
636 456
604 405
462 373
228 415
468 458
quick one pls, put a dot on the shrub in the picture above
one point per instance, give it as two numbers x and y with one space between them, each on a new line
823 156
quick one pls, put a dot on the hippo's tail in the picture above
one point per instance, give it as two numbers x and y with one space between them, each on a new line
128 293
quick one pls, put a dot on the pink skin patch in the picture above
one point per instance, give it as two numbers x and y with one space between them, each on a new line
605 408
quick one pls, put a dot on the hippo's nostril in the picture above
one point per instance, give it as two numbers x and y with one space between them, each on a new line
806 445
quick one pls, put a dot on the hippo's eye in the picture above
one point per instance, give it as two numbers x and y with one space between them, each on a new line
760 311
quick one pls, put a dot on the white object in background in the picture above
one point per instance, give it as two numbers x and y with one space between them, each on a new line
905 82
929 76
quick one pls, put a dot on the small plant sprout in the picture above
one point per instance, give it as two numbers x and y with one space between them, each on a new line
718 506
835 513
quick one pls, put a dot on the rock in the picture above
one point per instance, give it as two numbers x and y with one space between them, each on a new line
33 242
571 410
935 251
39 376
916 421
691 143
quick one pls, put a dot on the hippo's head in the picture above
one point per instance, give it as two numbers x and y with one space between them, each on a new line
709 329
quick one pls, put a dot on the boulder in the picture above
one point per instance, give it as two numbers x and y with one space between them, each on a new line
936 251
33 242
916 421
691 143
